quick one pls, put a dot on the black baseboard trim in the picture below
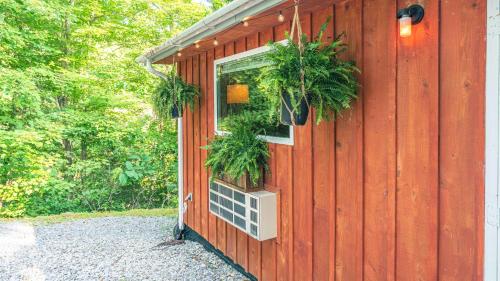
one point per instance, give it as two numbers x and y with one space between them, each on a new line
190 234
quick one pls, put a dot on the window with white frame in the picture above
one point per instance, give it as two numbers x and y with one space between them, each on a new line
236 90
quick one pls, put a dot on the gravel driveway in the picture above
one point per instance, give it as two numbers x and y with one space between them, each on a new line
121 248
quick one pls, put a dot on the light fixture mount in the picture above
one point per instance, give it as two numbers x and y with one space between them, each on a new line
415 11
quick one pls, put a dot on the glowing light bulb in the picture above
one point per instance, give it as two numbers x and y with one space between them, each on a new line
197 45
245 23
216 43
179 54
405 26
281 17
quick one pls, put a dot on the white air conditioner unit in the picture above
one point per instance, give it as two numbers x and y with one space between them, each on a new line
253 213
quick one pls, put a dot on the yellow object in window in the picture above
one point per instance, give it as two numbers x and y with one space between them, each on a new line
237 93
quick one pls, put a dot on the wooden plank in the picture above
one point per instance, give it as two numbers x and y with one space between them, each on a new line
190 146
240 45
255 257
461 143
203 141
269 246
231 243
254 246
417 149
266 36
379 98
323 173
242 249
303 191
349 157
221 225
332 218
252 41
284 180
268 259
281 30
241 237
212 219
196 150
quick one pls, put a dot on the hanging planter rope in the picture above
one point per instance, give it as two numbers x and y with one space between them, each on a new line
297 26
176 109
174 66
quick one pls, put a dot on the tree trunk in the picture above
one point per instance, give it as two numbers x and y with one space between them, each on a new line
83 151
68 147
62 99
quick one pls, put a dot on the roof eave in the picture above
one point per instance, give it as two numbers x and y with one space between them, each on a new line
222 19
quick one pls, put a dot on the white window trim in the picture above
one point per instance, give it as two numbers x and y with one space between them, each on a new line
271 139
492 145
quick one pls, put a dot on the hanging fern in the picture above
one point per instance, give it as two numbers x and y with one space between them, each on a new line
173 91
329 82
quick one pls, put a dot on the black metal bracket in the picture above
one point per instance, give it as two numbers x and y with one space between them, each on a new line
415 11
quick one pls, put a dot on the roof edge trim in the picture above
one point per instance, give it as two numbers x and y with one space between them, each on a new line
222 19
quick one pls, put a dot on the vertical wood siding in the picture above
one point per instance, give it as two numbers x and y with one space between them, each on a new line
393 189
379 95
461 130
417 146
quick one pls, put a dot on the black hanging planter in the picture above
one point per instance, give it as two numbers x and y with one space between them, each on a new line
299 118
176 113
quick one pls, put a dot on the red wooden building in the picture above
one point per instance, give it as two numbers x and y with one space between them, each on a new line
394 189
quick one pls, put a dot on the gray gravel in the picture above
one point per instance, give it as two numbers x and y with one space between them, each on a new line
121 248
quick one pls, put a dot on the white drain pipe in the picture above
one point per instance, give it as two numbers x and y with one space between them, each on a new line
180 154
180 174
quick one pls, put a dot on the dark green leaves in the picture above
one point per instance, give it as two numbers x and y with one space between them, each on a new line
173 91
75 108
330 81
241 151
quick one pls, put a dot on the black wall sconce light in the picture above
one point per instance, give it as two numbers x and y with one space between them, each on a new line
408 17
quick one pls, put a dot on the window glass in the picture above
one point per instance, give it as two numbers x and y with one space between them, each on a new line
237 91
239 209
240 197
240 222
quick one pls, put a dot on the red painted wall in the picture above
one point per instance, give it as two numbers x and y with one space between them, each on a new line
392 190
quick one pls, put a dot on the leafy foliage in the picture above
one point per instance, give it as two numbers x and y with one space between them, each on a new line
329 81
241 151
77 131
217 4
173 91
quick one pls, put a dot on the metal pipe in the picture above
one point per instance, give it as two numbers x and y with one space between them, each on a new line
180 153
180 174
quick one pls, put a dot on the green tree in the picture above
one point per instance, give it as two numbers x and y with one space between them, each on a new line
217 4
77 132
